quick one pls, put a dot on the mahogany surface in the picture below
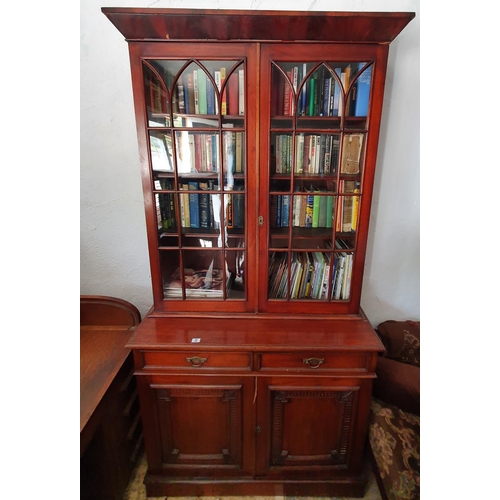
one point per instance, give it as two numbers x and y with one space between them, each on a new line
193 24
106 325
110 427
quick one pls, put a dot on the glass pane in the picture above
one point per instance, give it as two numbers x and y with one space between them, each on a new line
316 153
236 266
234 157
235 212
280 211
281 153
283 98
199 215
310 273
278 275
161 151
157 101
341 277
349 207
197 152
204 275
359 99
352 152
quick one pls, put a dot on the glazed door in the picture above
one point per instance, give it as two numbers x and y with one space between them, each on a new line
318 139
195 108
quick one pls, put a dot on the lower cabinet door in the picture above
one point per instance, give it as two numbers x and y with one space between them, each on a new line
200 425
307 426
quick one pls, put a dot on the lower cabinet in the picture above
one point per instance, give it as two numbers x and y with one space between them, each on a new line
215 433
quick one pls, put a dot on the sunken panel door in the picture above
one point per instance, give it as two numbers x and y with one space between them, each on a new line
307 426
201 426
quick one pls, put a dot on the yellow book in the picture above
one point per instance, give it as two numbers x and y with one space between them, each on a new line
355 210
224 100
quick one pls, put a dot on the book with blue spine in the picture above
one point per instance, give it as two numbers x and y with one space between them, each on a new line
194 205
363 95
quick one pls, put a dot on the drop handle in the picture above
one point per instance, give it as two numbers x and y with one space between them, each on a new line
196 360
314 362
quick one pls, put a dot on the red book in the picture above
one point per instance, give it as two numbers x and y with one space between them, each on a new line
232 95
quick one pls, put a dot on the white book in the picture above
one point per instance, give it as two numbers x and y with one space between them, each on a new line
241 91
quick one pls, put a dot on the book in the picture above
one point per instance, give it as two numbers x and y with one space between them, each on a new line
312 90
224 93
197 283
202 92
363 95
316 209
355 207
210 98
160 161
239 153
218 107
232 93
204 202
329 211
285 210
322 211
309 210
239 208
194 206
196 94
189 92
351 153
241 92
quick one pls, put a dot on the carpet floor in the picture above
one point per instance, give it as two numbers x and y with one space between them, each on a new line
137 491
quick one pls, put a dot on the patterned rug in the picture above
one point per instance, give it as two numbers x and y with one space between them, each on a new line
137 491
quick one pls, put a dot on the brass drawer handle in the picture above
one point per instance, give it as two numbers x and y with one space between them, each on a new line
314 362
196 361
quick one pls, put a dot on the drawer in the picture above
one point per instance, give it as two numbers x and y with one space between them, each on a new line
313 362
190 361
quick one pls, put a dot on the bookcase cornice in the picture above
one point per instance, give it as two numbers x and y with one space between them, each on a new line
139 24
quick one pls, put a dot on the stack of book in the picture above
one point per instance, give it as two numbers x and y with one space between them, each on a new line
197 283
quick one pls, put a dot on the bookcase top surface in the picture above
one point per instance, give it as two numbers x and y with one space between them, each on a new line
143 24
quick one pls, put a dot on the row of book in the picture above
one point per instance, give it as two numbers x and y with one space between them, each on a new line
309 275
198 152
195 94
316 209
322 94
199 210
314 154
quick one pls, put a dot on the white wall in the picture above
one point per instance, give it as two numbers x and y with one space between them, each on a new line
114 256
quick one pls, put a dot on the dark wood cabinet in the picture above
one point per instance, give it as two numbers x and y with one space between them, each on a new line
258 135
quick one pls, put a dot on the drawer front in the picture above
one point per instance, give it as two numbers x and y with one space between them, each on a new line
190 361
313 362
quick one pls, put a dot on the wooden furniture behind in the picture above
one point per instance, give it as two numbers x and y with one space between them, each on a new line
110 426
255 364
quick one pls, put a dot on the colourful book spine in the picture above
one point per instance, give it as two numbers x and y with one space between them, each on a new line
312 95
194 206
363 96
210 98
224 93
316 210
202 92
309 210
329 211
